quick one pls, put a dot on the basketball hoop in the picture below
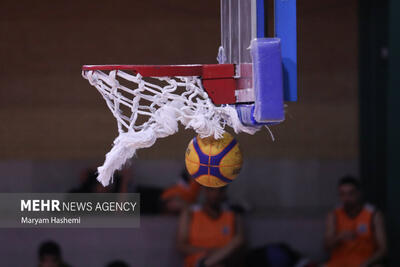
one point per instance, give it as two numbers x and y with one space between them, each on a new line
246 91
149 101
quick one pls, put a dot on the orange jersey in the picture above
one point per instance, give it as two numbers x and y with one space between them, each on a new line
356 251
206 232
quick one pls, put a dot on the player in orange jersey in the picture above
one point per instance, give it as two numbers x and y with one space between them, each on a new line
355 233
210 234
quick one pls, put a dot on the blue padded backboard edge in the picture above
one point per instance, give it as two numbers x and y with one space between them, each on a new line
285 29
261 22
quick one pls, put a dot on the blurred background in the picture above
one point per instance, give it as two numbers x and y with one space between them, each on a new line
55 126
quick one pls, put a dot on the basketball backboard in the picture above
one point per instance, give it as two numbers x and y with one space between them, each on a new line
245 20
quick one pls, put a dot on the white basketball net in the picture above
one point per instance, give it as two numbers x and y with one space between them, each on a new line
152 107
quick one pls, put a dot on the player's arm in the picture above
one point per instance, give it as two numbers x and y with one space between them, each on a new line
380 239
225 252
183 232
333 239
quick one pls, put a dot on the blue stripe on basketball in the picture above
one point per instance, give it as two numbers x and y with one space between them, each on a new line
214 160
216 172
203 170
202 157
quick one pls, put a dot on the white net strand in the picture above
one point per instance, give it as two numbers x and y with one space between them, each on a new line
163 101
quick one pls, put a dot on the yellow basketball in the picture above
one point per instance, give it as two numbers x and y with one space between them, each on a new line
213 163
